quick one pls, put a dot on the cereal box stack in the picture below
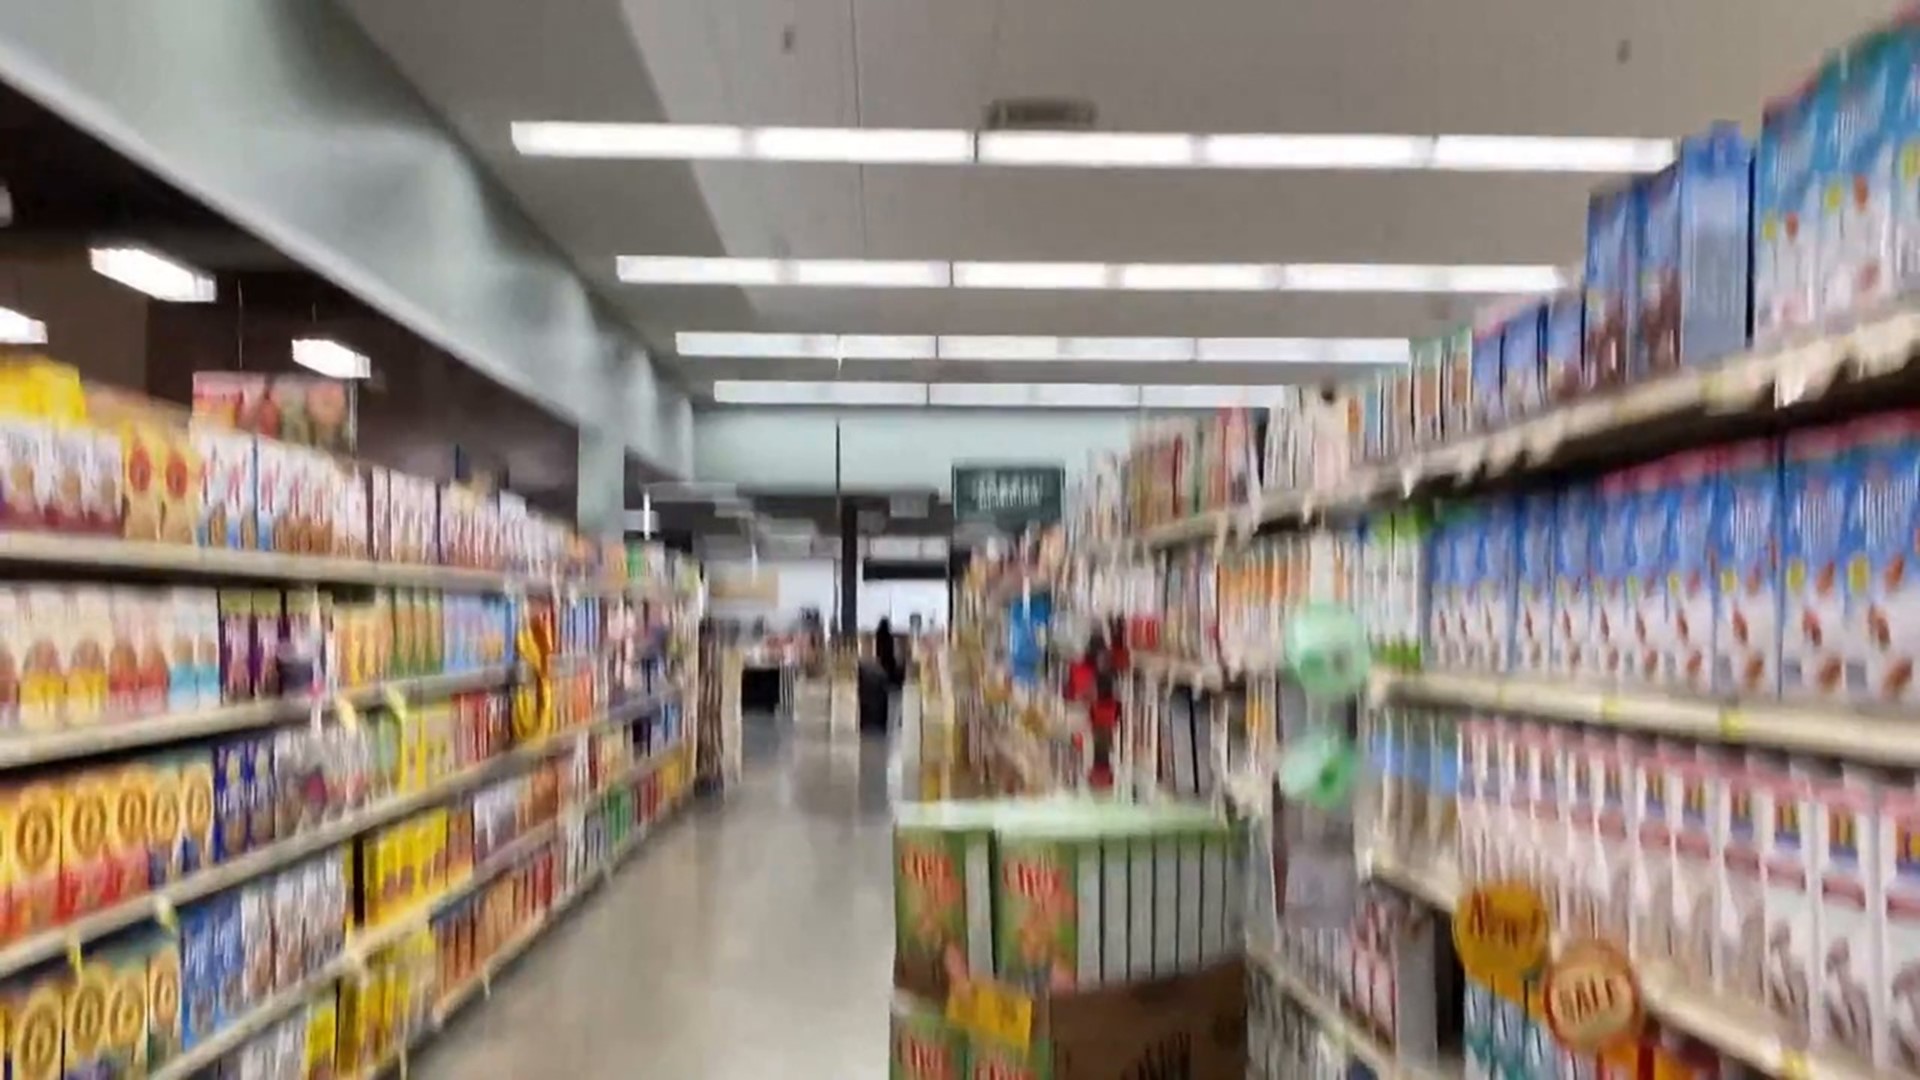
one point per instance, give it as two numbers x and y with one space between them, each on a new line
1070 905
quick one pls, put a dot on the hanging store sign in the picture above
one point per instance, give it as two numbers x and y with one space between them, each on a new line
1591 998
1007 497
1501 931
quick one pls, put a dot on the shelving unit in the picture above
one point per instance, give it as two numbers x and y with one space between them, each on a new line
1352 1039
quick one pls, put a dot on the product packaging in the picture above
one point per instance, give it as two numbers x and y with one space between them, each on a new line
1856 154
1563 348
1692 588
1572 638
1820 481
1612 300
1851 1008
1748 606
1786 213
1694 259
1523 382
1612 571
1884 595
1792 901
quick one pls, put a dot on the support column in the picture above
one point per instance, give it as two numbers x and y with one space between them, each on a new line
849 568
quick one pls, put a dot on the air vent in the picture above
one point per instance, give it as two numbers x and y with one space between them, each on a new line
1040 114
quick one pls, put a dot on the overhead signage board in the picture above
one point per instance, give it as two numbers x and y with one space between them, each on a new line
1008 498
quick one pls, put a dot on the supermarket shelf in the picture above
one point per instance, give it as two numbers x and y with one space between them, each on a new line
1794 372
38 748
1744 1031
52 549
257 1020
1355 1040
58 941
1858 735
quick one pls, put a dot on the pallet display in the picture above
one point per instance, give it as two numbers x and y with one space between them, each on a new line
275 810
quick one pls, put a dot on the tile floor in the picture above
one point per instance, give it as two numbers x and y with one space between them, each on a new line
750 939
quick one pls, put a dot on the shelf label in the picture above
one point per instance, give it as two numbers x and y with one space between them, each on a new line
1733 723
1501 931
1591 998
991 1011
1793 1065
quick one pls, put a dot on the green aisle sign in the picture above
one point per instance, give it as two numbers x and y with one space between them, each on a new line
1007 497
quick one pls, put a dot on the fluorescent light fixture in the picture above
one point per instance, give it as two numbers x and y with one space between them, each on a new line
1382 277
697 270
733 392
1329 152
1198 277
1031 275
155 275
994 347
18 329
805 346
1093 149
1210 397
1193 277
1034 395
1525 153
869 273
1163 349
862 146
1088 149
330 358
1252 350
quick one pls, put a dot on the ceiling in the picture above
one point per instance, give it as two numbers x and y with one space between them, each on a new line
1540 67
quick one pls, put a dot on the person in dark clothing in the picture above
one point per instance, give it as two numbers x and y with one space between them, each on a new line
886 653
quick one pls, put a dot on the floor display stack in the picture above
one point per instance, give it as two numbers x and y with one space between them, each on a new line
1640 744
300 753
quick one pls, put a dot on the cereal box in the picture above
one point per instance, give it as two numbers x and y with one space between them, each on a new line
1462 417
14 638
199 811
1884 598
925 1046
1747 607
1786 213
123 967
130 790
1489 379
43 678
163 999
230 801
86 860
1694 778
230 489
1649 618
942 891
1495 593
37 1032
1820 484
1850 1007
1746 814
1615 824
1691 585
1522 381
1791 901
165 821
236 645
1651 919
1563 369
1612 273
1536 574
1612 569
36 847
1856 228
1899 837
89 620
200 971
1571 640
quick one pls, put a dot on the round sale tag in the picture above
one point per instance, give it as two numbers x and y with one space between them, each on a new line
1591 997
1501 931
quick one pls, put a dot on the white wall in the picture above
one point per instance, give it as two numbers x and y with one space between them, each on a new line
900 601
803 583
893 448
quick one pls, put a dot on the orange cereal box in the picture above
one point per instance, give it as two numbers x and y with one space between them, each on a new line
166 823
86 863
128 830
36 856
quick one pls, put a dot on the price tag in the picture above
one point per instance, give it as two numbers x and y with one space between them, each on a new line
73 952
164 914
349 716
992 1011
1793 1066
1610 709
1733 723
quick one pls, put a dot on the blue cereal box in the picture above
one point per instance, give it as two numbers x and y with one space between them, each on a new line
1612 298
259 778
1881 579
1441 598
1496 585
1818 480
231 801
1695 496
1563 371
1856 256
200 972
1612 564
1489 380
1694 260
1533 634
1786 213
1747 551
1522 384
1572 639
1649 511
1905 64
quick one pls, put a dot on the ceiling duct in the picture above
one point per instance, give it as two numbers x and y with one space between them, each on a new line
1040 114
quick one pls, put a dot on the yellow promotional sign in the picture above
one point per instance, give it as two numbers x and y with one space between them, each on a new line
1592 998
992 1011
1501 931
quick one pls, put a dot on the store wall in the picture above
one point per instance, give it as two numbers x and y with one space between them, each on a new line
282 116
95 324
884 449
802 584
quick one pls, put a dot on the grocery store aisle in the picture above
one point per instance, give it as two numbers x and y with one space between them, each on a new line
750 940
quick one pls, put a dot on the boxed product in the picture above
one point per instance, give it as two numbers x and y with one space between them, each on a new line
1850 1007
1612 572
1651 918
161 486
1458 408
1899 837
1489 407
1792 900
1855 245
1885 601
86 860
1429 365
131 790
1563 370
1495 589
1745 814
1786 212
165 818
200 810
1820 480
1571 640
1694 259
1694 776
1521 378
1691 586
924 1045
1612 273
229 488
163 999
1747 611
36 1010
1651 508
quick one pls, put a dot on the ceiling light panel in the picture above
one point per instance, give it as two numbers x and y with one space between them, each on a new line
1210 397
732 392
805 346
1031 275
18 329
1093 149
868 273
1033 395
1042 348
1198 277
697 270
156 275
1187 277
1253 350
1385 278
330 358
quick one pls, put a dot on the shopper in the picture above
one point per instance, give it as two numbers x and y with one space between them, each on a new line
886 652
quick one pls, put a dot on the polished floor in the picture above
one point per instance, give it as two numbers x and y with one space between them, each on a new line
750 939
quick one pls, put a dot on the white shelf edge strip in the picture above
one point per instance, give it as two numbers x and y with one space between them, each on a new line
1354 1039
56 941
1835 730
19 750
1748 1033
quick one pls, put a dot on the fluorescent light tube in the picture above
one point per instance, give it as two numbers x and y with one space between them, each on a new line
1031 275
696 270
1163 349
998 347
1088 149
869 273
18 329
805 346
1329 152
734 392
1198 277
667 142
888 347
1252 350
155 275
1388 278
1033 395
862 146
1210 397
1525 153
330 358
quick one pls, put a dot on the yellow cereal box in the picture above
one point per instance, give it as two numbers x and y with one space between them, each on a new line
36 855
125 1046
38 1013
196 812
85 863
165 822
86 1019
9 867
323 1039
127 834
163 999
